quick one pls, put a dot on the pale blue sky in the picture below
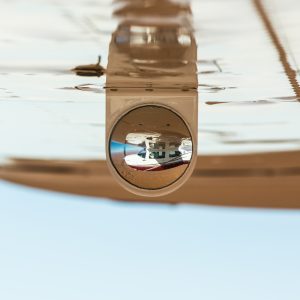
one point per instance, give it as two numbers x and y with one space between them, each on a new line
62 247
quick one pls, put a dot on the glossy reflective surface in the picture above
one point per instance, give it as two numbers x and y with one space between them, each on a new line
68 245
153 46
152 66
53 123
151 147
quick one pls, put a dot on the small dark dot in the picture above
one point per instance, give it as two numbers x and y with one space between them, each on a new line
168 125
113 90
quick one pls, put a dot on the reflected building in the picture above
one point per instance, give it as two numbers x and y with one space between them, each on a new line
151 97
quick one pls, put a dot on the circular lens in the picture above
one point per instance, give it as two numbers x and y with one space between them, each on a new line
150 147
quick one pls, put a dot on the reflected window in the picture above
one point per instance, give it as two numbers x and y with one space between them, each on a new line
157 155
142 154
174 154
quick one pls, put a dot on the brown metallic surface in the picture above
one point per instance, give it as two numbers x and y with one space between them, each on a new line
288 69
258 179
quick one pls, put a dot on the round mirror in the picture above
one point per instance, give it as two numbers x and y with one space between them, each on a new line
150 147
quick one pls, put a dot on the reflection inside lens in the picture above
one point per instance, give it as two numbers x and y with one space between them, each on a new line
151 147
157 151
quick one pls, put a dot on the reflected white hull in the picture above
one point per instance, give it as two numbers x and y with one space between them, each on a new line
136 162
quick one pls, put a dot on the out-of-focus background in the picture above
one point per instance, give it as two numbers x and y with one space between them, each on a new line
63 246
55 246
